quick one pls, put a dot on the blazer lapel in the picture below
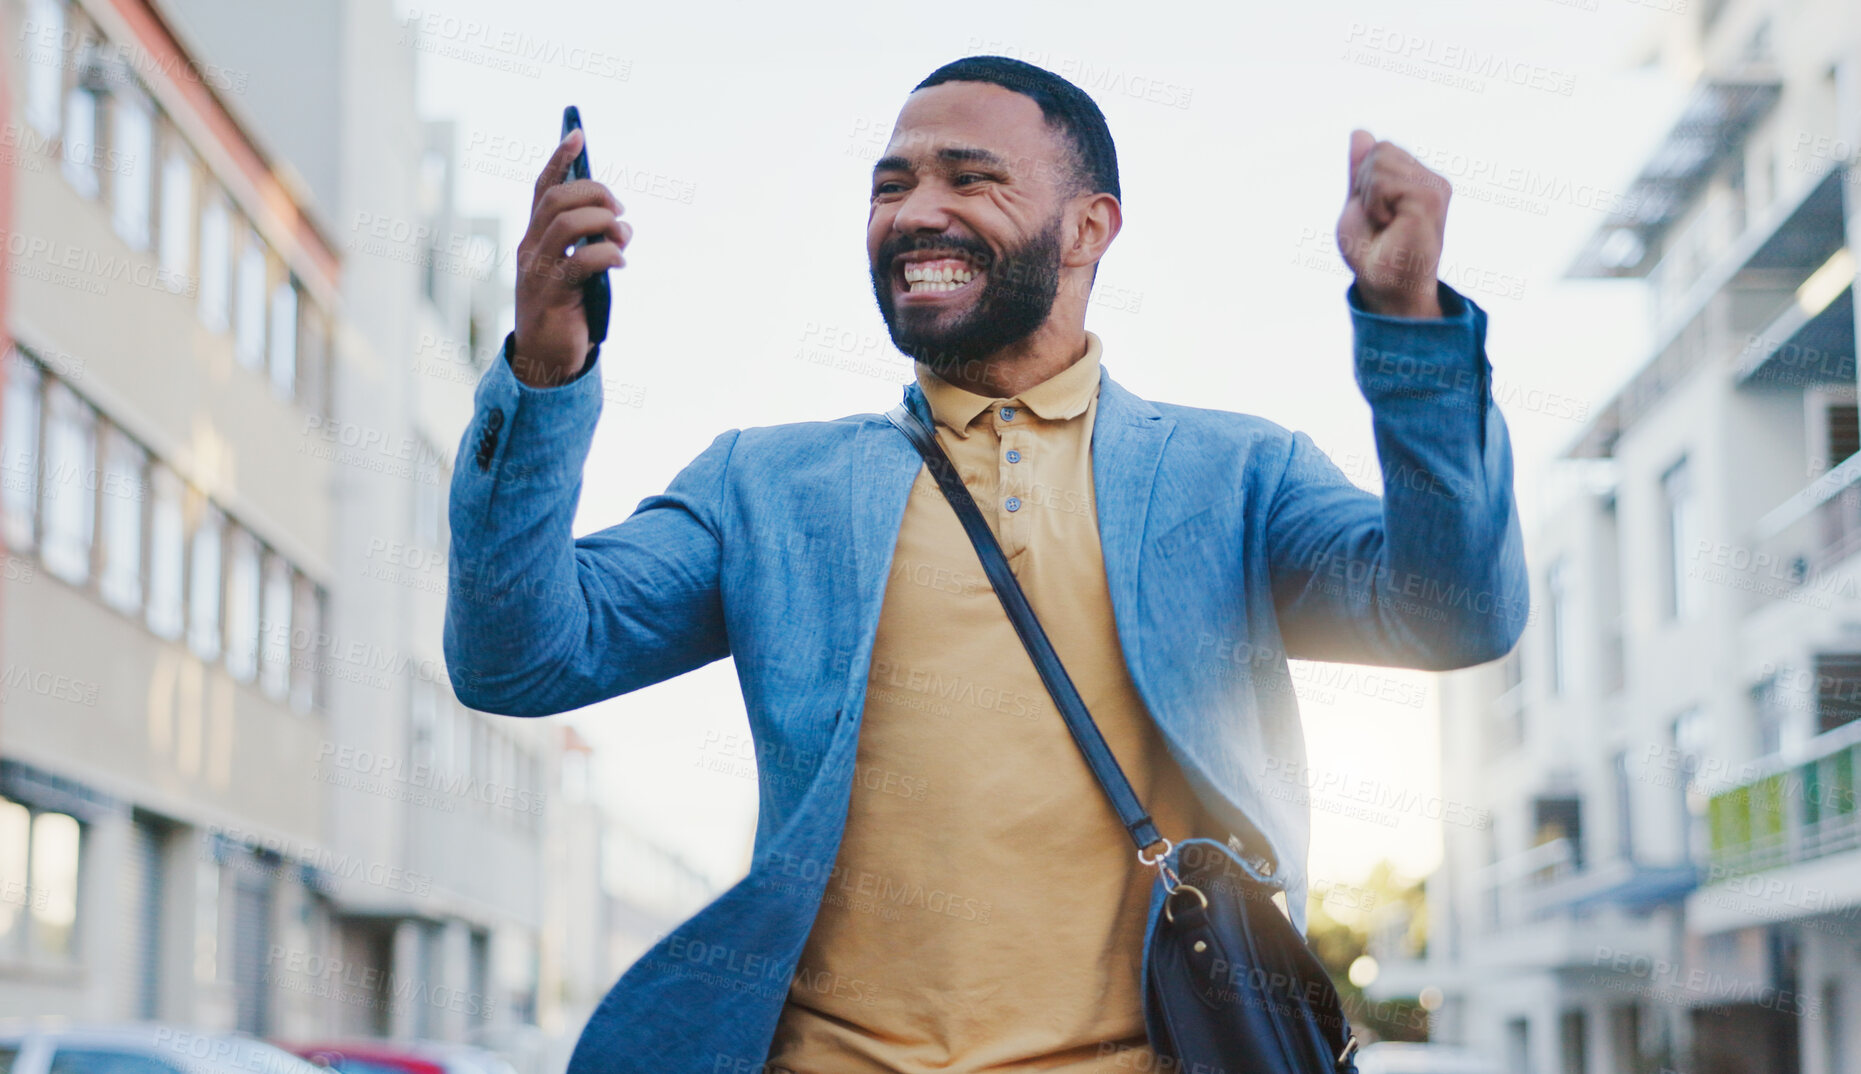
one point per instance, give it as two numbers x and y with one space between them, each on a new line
1127 445
878 485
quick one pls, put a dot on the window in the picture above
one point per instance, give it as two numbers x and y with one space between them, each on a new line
80 145
125 492
1624 808
312 359
107 1061
216 238
307 663
249 304
207 883
1682 525
19 446
1838 690
425 713
242 605
70 487
177 230
284 339
1558 625
1844 433
43 48
1560 817
133 138
39 879
429 494
445 734
167 551
1770 714
1690 740
275 629
203 592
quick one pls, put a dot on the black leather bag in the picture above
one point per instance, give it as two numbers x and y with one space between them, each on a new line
1230 987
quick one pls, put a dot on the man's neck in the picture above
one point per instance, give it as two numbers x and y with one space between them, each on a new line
1014 369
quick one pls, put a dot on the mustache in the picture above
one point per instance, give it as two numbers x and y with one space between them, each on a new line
896 246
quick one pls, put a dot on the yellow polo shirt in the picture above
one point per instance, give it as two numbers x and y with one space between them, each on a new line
986 910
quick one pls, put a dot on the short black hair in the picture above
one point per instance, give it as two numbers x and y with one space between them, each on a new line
1064 105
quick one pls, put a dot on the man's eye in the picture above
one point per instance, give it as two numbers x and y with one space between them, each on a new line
967 177
887 188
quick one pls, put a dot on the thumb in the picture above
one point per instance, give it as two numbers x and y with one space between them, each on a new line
1362 141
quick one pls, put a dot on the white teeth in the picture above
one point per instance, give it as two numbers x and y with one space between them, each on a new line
920 278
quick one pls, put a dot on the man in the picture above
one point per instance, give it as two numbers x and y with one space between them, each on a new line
937 883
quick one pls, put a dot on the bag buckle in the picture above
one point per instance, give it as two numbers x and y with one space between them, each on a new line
1161 863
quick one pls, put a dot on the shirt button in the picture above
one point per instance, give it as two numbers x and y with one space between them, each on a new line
1013 503
1013 455
1008 413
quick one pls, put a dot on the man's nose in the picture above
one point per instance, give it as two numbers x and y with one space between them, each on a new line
923 210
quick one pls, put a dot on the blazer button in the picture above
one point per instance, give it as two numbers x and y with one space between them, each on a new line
495 420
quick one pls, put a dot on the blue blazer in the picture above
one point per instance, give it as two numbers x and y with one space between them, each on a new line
1230 545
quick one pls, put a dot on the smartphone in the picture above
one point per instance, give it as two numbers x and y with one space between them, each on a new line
597 298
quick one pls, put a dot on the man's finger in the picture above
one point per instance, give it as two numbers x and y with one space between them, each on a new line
557 167
572 225
1362 141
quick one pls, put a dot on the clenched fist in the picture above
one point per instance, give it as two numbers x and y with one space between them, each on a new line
1391 228
551 343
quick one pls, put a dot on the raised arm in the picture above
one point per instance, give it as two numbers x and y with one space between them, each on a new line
1432 574
538 622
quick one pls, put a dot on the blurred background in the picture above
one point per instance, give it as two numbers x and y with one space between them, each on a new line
257 256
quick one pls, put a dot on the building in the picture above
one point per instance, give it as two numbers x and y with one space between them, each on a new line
172 310
1672 876
236 790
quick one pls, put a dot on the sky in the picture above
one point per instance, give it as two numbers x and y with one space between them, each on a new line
740 138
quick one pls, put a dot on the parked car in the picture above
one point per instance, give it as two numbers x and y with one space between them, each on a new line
401 1057
46 1047
1394 1057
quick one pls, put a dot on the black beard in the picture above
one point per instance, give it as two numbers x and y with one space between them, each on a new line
1017 296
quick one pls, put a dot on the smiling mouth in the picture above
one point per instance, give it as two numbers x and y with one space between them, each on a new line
940 276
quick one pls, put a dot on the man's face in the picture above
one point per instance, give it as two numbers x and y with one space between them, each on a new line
967 212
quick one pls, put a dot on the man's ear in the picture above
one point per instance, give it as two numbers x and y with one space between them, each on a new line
1096 221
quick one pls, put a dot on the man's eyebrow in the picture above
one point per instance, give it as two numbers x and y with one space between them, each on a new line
947 155
961 155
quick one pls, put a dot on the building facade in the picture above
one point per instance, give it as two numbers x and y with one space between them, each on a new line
236 790
1672 877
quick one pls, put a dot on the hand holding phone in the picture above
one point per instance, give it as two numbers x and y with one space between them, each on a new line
596 296
575 236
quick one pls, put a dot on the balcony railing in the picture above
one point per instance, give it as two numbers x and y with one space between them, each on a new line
1512 888
1803 546
1797 811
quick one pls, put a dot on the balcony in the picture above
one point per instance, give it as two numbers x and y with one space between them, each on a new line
1797 811
1782 280
1540 910
1802 549
1713 125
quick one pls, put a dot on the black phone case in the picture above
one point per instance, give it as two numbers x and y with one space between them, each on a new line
597 297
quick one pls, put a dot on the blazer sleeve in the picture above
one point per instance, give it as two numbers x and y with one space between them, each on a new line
1432 573
540 622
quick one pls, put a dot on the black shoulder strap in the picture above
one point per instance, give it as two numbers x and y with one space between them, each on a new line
1078 721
